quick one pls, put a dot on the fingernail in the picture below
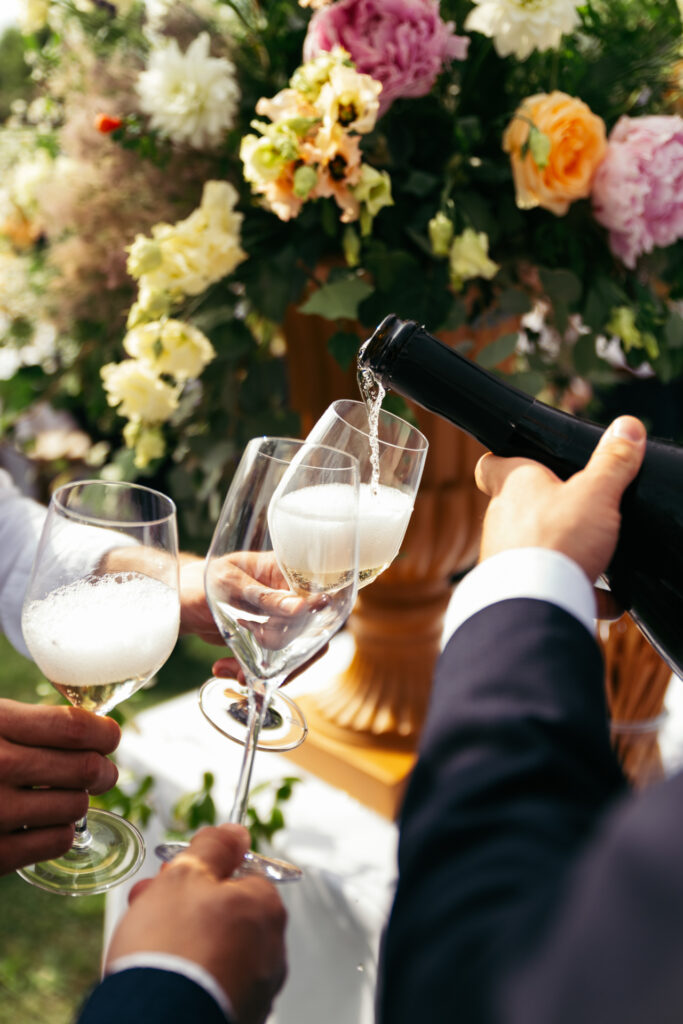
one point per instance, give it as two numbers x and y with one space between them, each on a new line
628 429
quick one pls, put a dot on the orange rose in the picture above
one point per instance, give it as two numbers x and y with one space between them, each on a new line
556 144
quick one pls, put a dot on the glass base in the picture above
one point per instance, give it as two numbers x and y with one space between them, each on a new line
272 868
224 703
115 853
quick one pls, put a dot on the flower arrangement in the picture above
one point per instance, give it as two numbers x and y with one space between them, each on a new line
185 171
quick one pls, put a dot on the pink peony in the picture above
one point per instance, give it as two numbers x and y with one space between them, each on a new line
638 188
401 43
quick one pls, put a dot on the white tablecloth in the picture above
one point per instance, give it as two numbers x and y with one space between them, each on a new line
348 852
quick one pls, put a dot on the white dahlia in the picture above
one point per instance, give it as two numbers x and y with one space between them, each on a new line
190 97
519 27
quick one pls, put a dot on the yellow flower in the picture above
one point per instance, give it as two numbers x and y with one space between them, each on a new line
440 230
33 15
143 255
134 387
556 172
148 443
151 305
199 250
622 323
170 347
351 247
469 258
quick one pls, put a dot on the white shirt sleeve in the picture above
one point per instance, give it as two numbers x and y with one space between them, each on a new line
21 521
524 572
177 965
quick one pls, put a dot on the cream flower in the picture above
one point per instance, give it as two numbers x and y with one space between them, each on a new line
33 15
287 105
191 97
148 443
521 26
140 395
469 258
265 156
337 157
310 77
171 346
350 100
196 251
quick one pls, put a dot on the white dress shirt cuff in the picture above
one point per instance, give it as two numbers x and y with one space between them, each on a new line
177 965
524 572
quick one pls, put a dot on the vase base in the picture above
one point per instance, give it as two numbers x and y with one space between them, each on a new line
372 773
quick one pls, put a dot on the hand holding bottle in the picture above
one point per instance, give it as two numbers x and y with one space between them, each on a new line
531 507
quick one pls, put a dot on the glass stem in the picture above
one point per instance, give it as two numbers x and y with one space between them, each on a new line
82 835
259 699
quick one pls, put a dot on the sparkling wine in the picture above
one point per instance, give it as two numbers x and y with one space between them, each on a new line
646 572
102 637
312 537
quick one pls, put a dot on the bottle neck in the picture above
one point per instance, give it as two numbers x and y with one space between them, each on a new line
409 360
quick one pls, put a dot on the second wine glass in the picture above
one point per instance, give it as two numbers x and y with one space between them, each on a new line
281 578
391 458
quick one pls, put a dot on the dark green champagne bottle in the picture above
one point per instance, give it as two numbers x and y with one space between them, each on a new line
646 572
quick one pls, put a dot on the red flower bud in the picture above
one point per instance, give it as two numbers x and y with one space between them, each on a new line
106 124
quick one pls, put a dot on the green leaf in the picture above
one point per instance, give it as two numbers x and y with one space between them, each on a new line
514 301
673 330
561 286
419 183
338 300
497 351
457 316
343 346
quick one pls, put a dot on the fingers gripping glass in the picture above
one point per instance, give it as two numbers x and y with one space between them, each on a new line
100 617
281 579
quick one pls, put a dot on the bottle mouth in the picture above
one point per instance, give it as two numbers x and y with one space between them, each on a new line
387 332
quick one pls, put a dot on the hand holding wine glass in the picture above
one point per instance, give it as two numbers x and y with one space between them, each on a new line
100 618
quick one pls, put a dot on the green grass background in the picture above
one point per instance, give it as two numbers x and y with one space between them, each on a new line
50 946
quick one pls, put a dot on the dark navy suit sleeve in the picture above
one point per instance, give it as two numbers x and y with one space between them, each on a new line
533 887
147 995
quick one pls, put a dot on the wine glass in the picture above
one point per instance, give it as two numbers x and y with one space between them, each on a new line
281 579
100 617
391 454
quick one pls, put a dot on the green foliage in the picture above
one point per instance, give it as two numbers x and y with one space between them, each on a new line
132 804
195 809
263 825
15 81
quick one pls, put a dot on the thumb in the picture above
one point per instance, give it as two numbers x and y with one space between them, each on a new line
617 457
